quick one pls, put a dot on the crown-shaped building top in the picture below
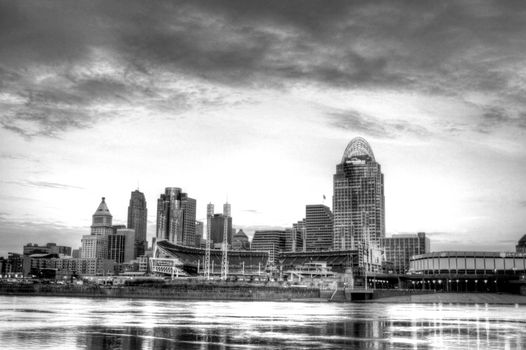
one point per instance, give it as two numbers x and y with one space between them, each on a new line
358 148
102 216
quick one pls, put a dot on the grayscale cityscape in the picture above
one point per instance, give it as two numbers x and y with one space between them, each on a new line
278 175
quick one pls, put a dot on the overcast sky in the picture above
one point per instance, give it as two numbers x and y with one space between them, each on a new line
255 101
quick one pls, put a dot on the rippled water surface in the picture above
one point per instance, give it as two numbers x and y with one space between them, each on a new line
77 323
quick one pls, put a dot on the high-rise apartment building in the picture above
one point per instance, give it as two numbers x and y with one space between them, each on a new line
176 217
400 248
358 200
137 220
318 227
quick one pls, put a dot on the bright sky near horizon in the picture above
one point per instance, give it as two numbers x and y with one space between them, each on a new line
255 101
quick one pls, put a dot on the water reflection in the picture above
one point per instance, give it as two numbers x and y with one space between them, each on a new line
70 323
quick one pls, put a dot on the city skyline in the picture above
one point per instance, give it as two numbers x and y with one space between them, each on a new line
255 104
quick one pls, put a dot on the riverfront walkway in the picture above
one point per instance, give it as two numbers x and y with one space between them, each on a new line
456 298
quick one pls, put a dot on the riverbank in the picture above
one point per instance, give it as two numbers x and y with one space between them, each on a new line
179 291
455 298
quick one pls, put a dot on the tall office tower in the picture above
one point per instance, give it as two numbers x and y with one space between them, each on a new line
318 225
102 220
176 217
218 229
227 209
137 219
358 200
400 248
96 244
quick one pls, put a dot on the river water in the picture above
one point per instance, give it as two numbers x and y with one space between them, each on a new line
85 323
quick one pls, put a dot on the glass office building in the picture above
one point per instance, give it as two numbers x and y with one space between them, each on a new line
358 199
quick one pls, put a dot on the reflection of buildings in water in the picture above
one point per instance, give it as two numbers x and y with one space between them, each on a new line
129 338
359 331
208 338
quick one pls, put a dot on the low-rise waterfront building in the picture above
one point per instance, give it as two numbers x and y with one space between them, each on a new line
49 248
468 263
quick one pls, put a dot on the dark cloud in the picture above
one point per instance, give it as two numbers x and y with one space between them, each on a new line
17 233
446 48
368 125
252 211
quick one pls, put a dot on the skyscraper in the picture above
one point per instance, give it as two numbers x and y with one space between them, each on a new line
101 223
218 229
358 200
137 219
318 227
217 224
176 217
96 244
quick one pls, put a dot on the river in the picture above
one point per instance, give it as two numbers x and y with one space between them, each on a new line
91 323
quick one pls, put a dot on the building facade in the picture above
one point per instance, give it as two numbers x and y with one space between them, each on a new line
318 227
199 232
102 220
137 220
240 241
121 245
295 241
272 241
468 263
358 199
218 229
95 246
49 248
176 217
400 248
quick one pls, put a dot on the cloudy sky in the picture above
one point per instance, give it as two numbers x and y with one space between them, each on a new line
255 101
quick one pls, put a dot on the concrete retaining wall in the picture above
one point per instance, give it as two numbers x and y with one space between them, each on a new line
168 291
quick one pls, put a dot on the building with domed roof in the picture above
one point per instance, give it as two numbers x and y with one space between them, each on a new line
358 199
